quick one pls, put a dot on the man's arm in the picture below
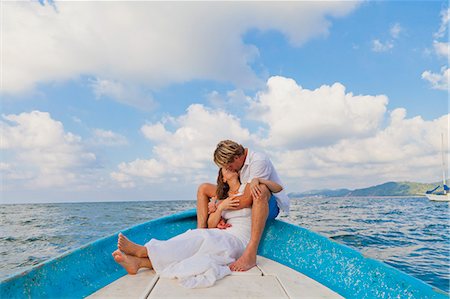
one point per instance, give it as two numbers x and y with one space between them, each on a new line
274 187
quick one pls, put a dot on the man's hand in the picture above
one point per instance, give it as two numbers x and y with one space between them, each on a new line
223 224
254 188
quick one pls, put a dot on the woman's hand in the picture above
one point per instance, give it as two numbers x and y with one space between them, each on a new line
223 224
212 207
229 203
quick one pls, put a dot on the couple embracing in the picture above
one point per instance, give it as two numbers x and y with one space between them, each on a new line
248 192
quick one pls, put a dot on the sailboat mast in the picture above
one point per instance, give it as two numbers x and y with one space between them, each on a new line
443 160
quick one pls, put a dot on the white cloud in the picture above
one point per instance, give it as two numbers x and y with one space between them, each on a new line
300 118
123 179
395 30
441 49
186 152
232 100
76 120
405 150
40 153
145 45
130 94
378 46
325 136
108 138
445 18
438 80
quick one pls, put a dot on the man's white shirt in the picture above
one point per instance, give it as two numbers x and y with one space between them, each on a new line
258 165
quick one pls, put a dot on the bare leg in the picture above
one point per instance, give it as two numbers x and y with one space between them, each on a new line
204 193
131 248
131 263
260 211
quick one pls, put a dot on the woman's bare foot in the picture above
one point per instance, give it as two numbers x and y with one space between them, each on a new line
130 248
130 263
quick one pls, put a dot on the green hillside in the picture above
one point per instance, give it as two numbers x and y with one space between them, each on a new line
386 189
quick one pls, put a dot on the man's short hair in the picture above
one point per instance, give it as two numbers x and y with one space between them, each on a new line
226 151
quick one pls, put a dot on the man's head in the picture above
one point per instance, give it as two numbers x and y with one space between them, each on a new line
229 155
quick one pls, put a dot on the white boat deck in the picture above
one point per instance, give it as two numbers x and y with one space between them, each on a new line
268 279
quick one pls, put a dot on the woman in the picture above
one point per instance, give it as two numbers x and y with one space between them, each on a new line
201 256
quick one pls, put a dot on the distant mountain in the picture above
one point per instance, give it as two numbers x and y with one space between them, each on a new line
386 189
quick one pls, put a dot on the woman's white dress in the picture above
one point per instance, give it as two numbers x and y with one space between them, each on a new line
199 257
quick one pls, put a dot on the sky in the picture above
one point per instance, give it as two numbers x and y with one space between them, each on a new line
123 101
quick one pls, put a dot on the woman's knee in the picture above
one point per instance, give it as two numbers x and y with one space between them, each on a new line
207 189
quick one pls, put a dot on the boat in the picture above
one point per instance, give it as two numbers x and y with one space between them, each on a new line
443 195
439 197
293 262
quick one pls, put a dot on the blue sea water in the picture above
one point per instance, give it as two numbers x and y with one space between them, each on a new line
411 234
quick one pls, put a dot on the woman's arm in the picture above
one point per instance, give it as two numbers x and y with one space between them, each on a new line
214 218
273 186
246 200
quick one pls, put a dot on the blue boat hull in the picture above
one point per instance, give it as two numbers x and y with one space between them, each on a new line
81 272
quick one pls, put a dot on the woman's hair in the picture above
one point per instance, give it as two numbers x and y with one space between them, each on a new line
222 188
226 151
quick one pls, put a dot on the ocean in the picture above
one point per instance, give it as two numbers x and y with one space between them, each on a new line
411 234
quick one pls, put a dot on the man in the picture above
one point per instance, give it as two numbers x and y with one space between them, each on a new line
249 165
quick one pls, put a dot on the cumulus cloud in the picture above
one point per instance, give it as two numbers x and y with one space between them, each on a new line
231 100
395 30
324 135
330 136
407 149
108 138
441 48
185 152
438 81
378 46
445 18
298 118
147 45
129 93
40 153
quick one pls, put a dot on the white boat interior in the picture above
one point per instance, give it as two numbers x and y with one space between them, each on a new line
268 279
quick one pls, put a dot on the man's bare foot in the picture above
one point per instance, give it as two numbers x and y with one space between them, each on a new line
130 263
244 263
130 248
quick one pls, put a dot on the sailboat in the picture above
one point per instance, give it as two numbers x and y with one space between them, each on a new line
445 194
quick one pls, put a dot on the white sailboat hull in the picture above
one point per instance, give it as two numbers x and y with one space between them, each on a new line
438 197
